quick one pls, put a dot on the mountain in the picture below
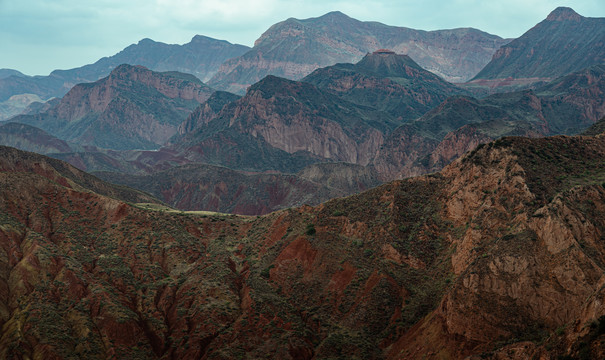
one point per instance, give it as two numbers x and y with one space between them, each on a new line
132 108
29 138
567 105
16 105
201 57
4 73
563 43
500 255
386 81
215 188
206 112
35 168
294 48
286 125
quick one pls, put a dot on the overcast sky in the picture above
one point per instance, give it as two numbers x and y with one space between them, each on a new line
38 36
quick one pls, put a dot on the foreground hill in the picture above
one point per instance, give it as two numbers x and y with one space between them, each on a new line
201 57
563 43
498 255
132 108
294 48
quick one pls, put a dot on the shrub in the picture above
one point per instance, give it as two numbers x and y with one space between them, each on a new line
310 230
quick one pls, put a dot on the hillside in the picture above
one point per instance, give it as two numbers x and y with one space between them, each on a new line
132 108
563 43
498 254
294 48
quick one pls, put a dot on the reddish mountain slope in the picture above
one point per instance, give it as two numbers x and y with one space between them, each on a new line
499 254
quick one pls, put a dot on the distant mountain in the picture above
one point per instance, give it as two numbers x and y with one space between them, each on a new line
201 57
4 73
17 104
563 43
132 108
388 82
567 105
294 48
28 138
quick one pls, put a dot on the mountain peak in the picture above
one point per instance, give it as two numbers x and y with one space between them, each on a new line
335 15
146 41
387 63
562 14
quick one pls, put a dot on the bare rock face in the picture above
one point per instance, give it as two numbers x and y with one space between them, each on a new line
207 111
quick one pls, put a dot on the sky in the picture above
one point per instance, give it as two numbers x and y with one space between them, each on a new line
38 36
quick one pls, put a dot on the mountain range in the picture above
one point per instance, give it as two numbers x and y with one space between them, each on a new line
200 57
132 108
455 54
385 113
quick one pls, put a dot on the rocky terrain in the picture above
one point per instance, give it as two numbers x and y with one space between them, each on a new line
132 108
563 43
294 48
499 255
